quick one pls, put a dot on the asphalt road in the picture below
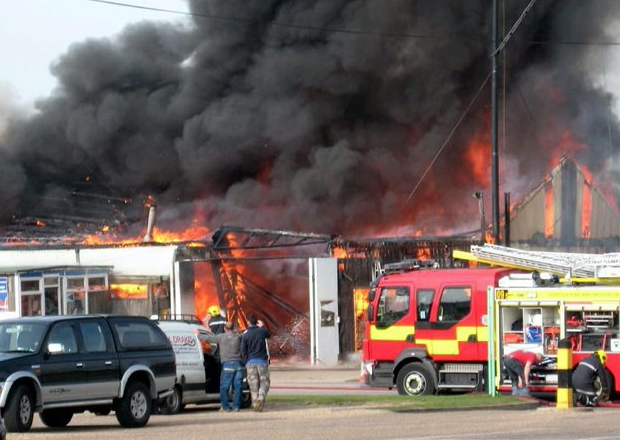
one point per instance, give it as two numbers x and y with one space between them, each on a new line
282 421
348 423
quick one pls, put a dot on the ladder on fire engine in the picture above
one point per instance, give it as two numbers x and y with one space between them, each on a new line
564 264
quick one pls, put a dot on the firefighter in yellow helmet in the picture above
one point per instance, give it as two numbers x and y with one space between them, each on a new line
216 321
590 370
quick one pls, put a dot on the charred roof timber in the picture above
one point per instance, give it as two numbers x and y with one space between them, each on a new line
234 237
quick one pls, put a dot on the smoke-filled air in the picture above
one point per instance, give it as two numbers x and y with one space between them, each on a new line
316 115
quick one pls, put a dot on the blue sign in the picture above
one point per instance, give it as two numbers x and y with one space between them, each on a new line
4 291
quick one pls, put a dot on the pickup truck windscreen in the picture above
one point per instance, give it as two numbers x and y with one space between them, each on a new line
21 337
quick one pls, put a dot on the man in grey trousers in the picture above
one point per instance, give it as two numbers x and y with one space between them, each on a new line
254 352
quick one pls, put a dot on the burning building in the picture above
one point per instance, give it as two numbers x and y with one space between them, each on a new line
566 212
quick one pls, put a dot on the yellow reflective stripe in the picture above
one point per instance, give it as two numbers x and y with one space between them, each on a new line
392 333
565 359
561 293
564 398
464 332
443 346
434 346
483 334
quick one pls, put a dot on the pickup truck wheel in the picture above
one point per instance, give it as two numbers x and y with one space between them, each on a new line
134 408
56 418
172 404
19 412
415 380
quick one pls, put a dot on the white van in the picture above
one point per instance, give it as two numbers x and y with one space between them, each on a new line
198 371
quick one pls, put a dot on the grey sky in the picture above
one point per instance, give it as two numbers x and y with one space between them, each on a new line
33 33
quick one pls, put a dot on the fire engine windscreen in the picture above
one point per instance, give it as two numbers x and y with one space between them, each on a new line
393 304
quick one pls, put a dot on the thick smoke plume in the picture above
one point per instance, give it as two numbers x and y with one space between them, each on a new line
258 123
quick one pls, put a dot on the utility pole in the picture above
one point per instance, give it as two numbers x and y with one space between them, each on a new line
494 123
483 226
497 49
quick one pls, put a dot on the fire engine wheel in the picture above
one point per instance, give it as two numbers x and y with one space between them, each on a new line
415 380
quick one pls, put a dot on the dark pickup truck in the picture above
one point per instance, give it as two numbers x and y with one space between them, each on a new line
61 365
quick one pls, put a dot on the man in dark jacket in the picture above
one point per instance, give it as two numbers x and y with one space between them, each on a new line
254 352
584 378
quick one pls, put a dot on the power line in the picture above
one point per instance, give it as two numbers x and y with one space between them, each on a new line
513 29
448 138
346 31
275 23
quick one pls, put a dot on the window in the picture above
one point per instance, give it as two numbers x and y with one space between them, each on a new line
51 300
21 337
50 281
425 301
455 304
64 335
135 335
94 337
393 304
76 302
30 286
97 283
75 283
31 305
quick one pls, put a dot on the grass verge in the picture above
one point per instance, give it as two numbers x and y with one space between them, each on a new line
398 402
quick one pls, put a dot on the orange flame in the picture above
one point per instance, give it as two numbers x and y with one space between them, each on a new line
549 210
130 290
159 236
361 300
339 252
586 205
488 237
478 157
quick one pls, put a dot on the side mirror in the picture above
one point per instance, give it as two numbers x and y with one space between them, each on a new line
371 312
371 295
54 348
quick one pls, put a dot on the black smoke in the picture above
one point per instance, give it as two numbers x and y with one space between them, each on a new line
314 115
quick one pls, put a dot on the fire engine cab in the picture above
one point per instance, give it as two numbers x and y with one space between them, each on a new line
428 328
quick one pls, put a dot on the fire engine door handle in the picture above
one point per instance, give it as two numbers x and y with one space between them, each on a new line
472 338
410 338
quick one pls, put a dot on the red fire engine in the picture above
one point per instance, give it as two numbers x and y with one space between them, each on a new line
428 329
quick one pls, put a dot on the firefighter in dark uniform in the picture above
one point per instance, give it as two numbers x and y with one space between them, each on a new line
216 324
217 321
584 378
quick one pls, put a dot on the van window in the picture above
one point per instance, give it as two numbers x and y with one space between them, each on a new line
393 304
425 301
455 304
